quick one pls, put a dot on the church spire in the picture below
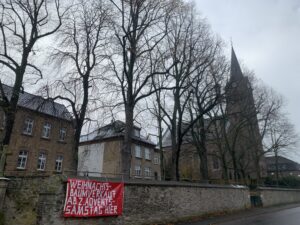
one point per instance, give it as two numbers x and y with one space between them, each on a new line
235 69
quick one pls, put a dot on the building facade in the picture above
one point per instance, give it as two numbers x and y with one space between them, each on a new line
100 154
42 138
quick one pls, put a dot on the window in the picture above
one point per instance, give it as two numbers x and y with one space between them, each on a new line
28 126
62 134
137 170
22 159
147 154
41 161
136 132
147 172
138 152
156 159
216 165
58 163
46 130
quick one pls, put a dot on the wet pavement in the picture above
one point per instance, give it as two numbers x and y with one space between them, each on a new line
284 215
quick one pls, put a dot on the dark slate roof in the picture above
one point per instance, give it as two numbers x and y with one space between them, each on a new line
39 104
289 165
114 129
235 69
281 159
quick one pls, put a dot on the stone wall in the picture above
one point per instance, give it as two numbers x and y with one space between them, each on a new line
277 196
32 201
24 198
176 201
40 201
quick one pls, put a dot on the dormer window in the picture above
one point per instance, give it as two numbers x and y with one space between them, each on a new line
136 132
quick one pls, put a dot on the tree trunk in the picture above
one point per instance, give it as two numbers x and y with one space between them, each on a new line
173 157
177 174
276 168
75 149
203 152
10 115
126 152
162 165
235 167
225 169
203 164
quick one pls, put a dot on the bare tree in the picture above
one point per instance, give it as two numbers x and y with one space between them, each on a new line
194 49
139 28
205 98
81 42
22 24
218 127
280 137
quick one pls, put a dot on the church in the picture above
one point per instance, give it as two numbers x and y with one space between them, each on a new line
234 148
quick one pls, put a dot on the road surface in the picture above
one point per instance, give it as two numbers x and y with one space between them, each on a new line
287 215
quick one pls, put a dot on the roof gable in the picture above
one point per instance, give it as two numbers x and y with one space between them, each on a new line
39 104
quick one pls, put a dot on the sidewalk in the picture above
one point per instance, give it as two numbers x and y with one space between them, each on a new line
238 215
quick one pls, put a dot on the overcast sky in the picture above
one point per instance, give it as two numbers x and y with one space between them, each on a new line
266 38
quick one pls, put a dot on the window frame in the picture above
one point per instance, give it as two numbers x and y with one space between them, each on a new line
42 161
156 159
147 154
137 149
46 129
19 165
60 134
26 126
59 163
137 168
147 172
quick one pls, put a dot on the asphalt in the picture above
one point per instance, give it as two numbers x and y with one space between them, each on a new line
280 215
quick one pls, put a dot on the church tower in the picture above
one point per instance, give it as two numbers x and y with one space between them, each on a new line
245 141
239 96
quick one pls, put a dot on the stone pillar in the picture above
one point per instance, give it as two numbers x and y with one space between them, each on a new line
3 185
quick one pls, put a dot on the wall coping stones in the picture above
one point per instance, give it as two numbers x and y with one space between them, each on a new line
182 184
162 183
277 189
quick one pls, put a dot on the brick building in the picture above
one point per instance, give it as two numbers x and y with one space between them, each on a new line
42 137
100 154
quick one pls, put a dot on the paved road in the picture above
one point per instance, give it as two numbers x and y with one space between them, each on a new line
275 216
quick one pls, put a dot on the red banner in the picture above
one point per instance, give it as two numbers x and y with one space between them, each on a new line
89 198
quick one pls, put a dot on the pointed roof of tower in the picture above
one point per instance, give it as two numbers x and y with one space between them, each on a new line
235 69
